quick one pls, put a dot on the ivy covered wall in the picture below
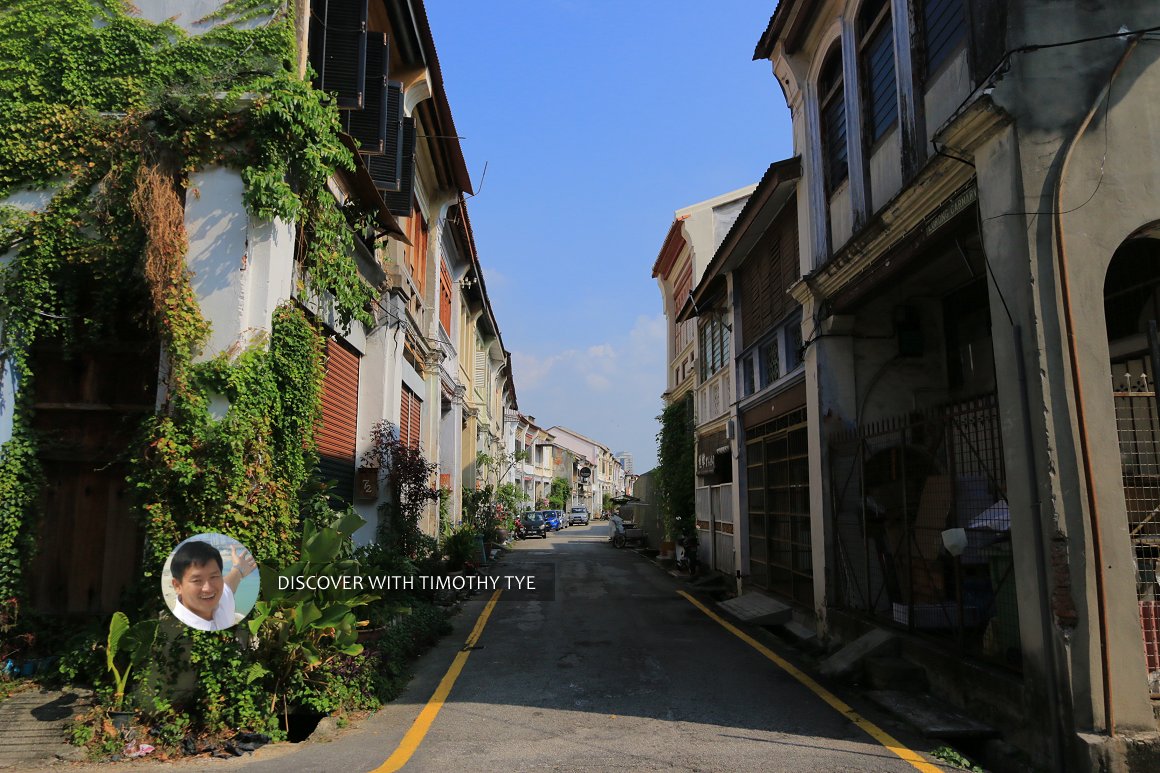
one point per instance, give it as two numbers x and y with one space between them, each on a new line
114 116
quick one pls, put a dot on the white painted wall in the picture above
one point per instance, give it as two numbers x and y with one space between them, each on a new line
946 91
240 270
841 217
885 170
187 14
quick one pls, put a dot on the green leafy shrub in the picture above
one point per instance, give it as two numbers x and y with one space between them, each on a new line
460 548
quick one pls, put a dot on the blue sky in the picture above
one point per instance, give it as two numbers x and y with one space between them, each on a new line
597 119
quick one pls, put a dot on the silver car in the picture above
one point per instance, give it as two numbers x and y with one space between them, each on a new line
579 515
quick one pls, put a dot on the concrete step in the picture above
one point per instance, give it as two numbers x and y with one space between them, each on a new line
932 717
802 633
757 608
846 661
889 672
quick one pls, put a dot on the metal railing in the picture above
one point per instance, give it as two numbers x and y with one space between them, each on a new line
713 396
898 485
1138 431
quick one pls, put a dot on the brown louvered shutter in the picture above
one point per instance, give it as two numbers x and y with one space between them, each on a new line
444 298
336 434
369 125
405 417
399 201
416 421
410 412
337 49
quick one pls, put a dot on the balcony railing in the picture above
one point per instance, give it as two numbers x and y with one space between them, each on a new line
714 396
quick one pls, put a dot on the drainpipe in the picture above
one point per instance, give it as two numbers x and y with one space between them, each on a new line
1081 417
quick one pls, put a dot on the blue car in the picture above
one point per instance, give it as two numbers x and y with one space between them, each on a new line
552 519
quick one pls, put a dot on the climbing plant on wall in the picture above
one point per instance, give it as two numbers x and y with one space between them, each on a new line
675 468
109 115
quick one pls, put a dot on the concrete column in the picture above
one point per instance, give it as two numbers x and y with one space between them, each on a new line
831 402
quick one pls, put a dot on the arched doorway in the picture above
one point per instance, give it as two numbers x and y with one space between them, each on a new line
1132 313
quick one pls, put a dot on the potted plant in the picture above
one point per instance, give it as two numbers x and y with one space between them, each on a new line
127 646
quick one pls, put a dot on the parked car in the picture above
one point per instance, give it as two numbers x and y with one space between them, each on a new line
579 515
552 518
534 525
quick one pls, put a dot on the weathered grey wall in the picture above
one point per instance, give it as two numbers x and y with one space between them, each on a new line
1110 191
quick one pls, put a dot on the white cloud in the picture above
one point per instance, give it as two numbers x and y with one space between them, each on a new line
608 390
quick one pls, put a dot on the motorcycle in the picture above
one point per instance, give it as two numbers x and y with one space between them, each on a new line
689 560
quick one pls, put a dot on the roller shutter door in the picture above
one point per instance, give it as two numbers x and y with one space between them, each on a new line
336 434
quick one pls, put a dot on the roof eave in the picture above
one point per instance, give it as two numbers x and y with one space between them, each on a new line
789 23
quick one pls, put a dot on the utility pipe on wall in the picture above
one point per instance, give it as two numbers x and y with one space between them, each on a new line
1077 386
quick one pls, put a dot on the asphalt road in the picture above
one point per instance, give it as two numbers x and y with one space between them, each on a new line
610 670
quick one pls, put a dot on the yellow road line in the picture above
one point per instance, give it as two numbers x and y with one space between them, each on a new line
871 729
422 723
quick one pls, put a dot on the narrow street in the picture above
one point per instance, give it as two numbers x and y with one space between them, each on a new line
618 672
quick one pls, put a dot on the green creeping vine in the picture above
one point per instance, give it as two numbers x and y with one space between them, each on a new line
675 464
111 114
89 98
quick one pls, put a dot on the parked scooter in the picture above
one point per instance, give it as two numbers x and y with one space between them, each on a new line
689 561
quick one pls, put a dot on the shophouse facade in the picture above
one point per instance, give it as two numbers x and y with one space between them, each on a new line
980 462
412 366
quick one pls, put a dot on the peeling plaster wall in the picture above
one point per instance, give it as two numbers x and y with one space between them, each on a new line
1107 198
241 269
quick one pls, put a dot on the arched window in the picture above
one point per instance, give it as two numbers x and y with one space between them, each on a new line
832 106
876 64
944 25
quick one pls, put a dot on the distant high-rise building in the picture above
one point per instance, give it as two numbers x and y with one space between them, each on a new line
625 459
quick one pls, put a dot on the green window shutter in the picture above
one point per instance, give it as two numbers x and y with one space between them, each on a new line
386 167
399 201
337 50
369 125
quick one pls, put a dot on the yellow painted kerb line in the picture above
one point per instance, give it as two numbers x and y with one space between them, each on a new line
422 724
871 729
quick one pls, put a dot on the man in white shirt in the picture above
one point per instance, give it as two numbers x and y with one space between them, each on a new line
205 597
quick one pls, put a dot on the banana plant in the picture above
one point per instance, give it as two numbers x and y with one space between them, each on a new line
131 640
298 628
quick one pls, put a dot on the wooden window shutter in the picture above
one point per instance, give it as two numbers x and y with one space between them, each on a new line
944 25
444 298
416 421
369 125
410 414
405 417
416 255
336 433
385 168
338 49
480 369
399 201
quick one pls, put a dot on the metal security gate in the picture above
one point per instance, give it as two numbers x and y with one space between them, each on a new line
898 485
715 524
777 467
1138 429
